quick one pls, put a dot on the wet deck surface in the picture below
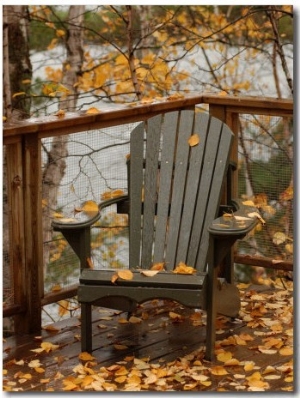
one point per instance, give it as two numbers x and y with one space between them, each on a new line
161 349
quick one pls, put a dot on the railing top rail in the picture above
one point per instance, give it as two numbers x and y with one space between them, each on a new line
73 122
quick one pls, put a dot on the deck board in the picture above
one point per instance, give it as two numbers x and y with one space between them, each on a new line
159 338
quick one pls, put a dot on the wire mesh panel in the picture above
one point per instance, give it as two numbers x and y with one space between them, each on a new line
266 177
93 168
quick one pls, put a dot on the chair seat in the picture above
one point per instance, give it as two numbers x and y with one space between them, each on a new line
163 279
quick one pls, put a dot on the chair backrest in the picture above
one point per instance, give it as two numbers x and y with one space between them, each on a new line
175 186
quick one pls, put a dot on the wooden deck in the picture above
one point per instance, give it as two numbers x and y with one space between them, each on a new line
161 349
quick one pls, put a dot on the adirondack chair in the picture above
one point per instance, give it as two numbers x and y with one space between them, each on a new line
176 171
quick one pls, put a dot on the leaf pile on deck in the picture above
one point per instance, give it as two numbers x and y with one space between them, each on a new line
269 319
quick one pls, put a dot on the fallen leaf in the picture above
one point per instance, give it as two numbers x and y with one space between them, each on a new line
194 140
114 278
158 267
218 371
90 206
184 269
60 113
125 274
149 272
257 215
134 319
120 346
85 356
92 111
47 346
286 351
224 356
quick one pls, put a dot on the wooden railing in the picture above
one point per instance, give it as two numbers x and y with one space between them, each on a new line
22 141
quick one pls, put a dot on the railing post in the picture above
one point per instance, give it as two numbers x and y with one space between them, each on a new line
33 231
15 224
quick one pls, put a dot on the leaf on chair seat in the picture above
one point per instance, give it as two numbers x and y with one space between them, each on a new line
125 274
158 266
184 269
149 272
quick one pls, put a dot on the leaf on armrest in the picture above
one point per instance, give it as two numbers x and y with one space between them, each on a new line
257 215
112 194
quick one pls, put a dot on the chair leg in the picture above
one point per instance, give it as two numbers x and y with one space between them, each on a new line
86 327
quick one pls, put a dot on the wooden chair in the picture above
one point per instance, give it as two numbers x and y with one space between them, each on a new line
177 168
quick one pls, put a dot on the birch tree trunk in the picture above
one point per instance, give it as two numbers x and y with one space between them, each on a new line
56 158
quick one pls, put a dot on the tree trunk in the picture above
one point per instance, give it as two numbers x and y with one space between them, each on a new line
56 158
17 66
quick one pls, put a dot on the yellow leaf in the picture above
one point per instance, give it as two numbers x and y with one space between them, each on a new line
63 307
257 215
56 288
90 263
60 113
47 346
158 267
90 206
120 346
87 381
173 315
112 194
249 366
190 386
60 33
134 319
92 111
39 370
248 203
35 363
278 238
85 356
286 351
149 272
125 274
121 371
114 278
218 371
184 269
120 379
175 96
18 94
26 81
50 328
224 356
194 140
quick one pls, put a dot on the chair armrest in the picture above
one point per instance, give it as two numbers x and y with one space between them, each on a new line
241 221
83 219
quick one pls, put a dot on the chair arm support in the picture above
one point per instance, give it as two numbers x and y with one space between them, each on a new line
83 219
241 221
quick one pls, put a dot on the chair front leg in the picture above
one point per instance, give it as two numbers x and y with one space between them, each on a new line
86 328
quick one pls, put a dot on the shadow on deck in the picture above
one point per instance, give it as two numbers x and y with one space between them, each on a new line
161 349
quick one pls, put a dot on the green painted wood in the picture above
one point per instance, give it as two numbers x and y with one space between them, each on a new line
174 193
